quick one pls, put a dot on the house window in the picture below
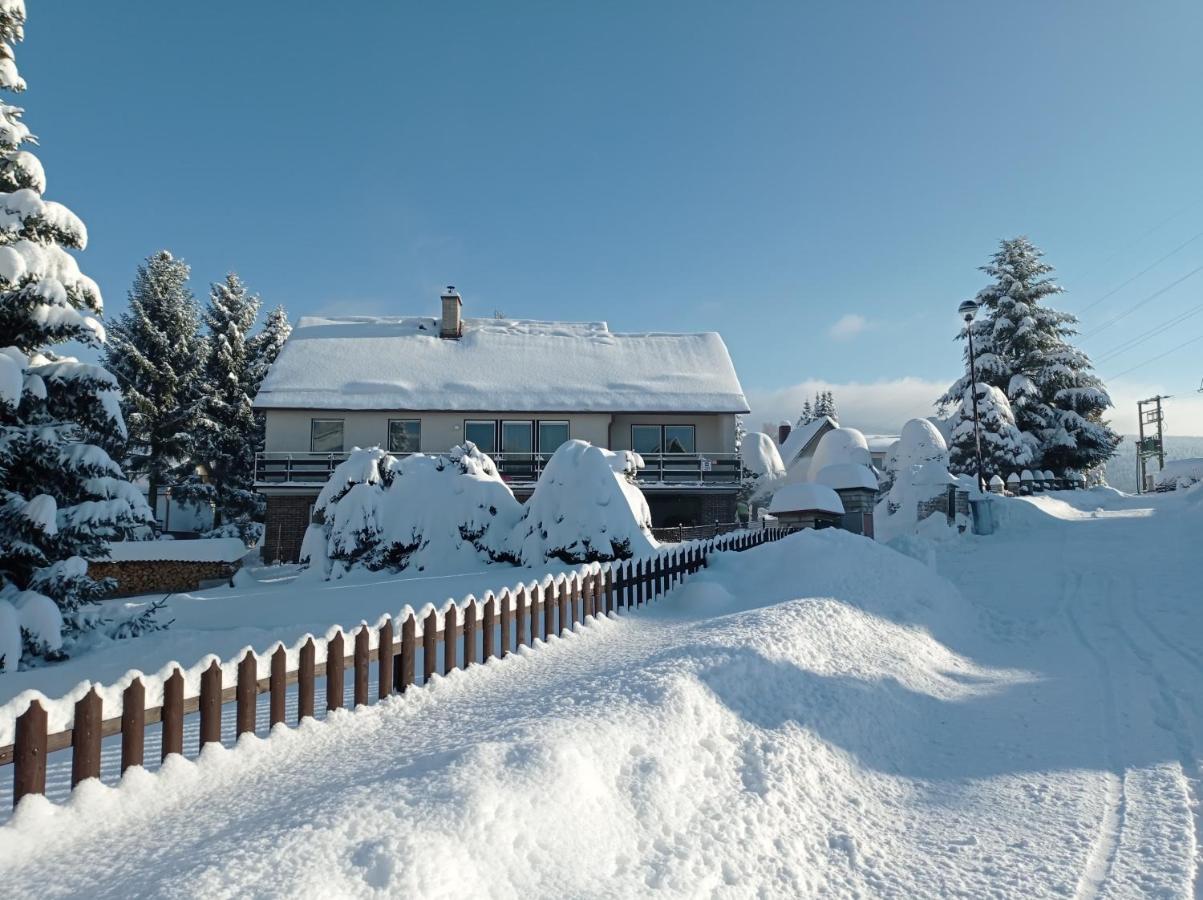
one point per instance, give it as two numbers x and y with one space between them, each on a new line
517 437
483 433
552 435
326 435
646 438
404 435
664 438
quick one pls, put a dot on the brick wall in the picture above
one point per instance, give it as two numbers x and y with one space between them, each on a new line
718 506
284 527
160 576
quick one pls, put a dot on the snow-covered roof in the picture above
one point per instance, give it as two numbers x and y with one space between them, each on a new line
1180 472
800 438
841 476
806 496
203 550
501 365
880 443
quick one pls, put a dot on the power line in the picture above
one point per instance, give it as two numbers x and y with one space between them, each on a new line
1143 271
1149 299
1148 335
1193 340
1144 234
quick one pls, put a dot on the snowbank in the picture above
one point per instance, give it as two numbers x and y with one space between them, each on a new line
585 508
1179 474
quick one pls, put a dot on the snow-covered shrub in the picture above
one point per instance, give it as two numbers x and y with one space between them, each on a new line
435 514
763 470
920 442
1004 447
585 508
840 445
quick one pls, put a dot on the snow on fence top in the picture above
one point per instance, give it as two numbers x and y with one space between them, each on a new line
362 362
204 550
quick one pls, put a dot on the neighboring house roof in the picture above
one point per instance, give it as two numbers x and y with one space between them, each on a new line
803 438
501 365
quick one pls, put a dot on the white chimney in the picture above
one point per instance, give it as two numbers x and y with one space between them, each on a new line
452 325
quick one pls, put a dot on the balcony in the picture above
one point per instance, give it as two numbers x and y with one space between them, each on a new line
709 470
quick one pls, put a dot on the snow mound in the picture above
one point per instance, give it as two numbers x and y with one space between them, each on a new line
434 514
585 508
841 445
805 497
760 456
840 476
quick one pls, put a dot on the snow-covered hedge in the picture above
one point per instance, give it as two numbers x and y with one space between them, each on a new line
435 514
585 508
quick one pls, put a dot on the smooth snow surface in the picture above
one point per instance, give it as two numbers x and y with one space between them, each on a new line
806 497
822 716
499 364
760 457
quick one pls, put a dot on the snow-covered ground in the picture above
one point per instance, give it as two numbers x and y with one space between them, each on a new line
819 716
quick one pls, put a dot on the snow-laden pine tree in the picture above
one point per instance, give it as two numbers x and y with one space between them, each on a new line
226 435
807 416
1004 447
1023 349
263 348
62 497
156 350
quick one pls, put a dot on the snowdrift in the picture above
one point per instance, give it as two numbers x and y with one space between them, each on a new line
585 508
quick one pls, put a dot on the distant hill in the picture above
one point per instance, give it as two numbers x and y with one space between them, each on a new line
1121 470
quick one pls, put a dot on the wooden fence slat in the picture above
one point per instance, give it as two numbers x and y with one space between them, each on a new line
210 705
490 648
335 670
567 592
306 681
536 614
362 665
133 725
450 632
278 686
470 632
29 753
247 691
551 603
429 653
507 623
85 738
409 629
587 596
173 714
608 588
384 660
521 616
641 575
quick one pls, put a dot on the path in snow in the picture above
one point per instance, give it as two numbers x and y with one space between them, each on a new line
821 716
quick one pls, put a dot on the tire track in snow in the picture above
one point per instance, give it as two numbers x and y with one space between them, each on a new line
1102 854
1174 722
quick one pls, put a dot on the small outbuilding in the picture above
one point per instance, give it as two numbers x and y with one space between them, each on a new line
856 486
807 505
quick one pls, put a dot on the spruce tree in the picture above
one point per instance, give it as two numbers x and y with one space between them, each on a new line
263 348
1004 447
62 497
807 416
156 350
225 439
1023 349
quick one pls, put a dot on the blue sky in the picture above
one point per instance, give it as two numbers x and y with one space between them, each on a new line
764 170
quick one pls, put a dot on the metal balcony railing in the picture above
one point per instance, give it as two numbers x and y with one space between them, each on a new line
697 469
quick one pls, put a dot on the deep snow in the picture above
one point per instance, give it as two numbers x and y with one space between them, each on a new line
819 716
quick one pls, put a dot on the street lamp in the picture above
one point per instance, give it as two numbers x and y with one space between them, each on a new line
967 310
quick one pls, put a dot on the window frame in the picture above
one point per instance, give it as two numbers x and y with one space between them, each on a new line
342 428
388 435
539 423
530 425
658 427
694 440
496 434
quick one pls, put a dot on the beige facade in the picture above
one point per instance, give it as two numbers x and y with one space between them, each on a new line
288 430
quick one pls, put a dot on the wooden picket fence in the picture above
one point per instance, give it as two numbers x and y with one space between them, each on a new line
507 620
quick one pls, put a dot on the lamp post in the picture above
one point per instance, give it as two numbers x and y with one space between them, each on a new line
967 310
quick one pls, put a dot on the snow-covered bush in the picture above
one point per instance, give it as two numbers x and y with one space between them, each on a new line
763 470
840 445
1004 447
920 442
435 514
585 508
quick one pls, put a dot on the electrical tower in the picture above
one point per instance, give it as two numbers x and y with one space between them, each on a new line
1151 442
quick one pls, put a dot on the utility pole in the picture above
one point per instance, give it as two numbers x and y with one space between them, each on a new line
1151 442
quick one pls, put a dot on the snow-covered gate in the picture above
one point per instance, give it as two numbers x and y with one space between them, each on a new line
114 721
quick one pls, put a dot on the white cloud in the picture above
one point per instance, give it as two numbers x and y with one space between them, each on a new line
847 327
879 407
1183 411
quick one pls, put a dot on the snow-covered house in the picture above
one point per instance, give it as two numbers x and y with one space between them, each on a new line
799 444
517 389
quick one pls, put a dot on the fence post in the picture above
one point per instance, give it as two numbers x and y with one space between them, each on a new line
384 659
588 602
133 725
450 633
409 630
363 662
550 602
520 616
173 714
429 653
608 588
210 705
29 753
335 663
306 681
85 738
245 694
567 592
488 645
536 606
277 687
470 632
